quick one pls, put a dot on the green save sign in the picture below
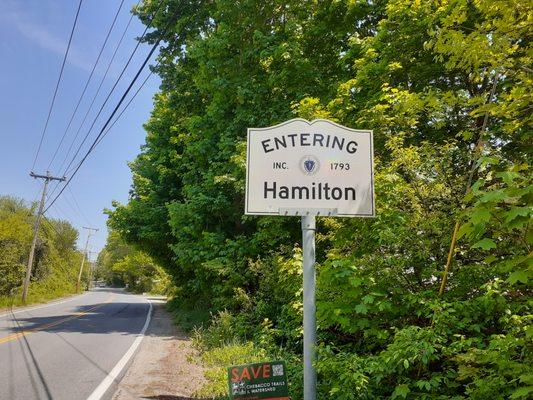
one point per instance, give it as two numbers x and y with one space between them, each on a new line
260 381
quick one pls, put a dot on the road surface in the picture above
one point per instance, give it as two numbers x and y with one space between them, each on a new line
69 349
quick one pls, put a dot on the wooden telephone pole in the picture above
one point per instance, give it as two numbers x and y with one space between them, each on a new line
47 178
91 231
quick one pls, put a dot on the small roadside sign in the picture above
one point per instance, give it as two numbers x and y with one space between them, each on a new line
259 381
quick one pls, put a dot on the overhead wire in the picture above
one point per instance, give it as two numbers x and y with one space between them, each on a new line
67 169
104 127
80 218
86 83
57 85
84 217
50 224
96 93
92 101
61 214
106 132
125 107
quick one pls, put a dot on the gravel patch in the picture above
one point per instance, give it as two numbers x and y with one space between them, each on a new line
166 366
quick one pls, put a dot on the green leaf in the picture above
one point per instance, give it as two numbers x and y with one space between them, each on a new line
517 211
485 244
465 229
368 299
361 309
519 276
526 378
401 391
480 215
522 392
493 196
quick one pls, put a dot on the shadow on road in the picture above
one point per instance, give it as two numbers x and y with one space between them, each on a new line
114 317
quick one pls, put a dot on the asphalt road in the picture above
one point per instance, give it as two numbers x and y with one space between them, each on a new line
66 350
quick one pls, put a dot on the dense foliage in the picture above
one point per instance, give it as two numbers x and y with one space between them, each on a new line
446 87
56 261
120 264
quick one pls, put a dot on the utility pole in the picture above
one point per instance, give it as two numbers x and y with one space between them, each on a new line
47 178
91 231
91 269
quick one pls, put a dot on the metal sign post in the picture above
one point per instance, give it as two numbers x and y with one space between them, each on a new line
309 169
308 241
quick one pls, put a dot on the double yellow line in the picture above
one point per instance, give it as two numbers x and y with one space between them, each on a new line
20 334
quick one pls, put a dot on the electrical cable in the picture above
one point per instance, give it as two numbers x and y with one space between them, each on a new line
106 132
103 129
57 85
125 107
79 217
67 169
93 101
86 84
84 217
96 93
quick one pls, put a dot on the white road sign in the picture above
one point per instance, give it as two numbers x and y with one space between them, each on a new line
317 167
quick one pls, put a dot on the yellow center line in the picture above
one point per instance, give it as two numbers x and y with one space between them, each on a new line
75 315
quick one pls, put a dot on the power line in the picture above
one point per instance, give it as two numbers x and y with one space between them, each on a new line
105 133
78 206
51 225
102 131
87 83
57 86
97 92
61 215
111 92
125 107
93 100
77 214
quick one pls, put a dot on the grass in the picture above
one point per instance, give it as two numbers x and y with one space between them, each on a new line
218 359
41 292
187 318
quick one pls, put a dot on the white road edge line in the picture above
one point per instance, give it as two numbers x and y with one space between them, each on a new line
115 372
53 303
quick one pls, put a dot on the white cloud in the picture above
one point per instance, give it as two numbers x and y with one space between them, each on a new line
43 38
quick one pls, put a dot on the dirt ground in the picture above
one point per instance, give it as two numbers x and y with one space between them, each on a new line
164 367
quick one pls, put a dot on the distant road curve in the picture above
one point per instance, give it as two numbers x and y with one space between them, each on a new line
73 349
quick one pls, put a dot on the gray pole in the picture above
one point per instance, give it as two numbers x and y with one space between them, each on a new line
84 256
47 178
308 240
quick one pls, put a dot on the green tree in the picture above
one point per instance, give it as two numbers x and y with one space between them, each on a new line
121 264
446 87
56 259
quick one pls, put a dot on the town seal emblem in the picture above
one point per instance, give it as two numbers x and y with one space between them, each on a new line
309 165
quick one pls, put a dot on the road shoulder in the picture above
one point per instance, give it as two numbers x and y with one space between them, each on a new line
165 366
4 311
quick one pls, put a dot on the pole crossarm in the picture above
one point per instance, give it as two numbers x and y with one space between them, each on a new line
48 177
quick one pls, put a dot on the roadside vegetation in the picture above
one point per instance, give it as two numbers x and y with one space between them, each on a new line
446 87
119 264
56 262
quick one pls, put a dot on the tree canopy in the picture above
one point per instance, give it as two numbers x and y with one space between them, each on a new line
446 87
56 261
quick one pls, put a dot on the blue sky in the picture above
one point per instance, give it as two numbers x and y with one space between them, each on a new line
33 39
